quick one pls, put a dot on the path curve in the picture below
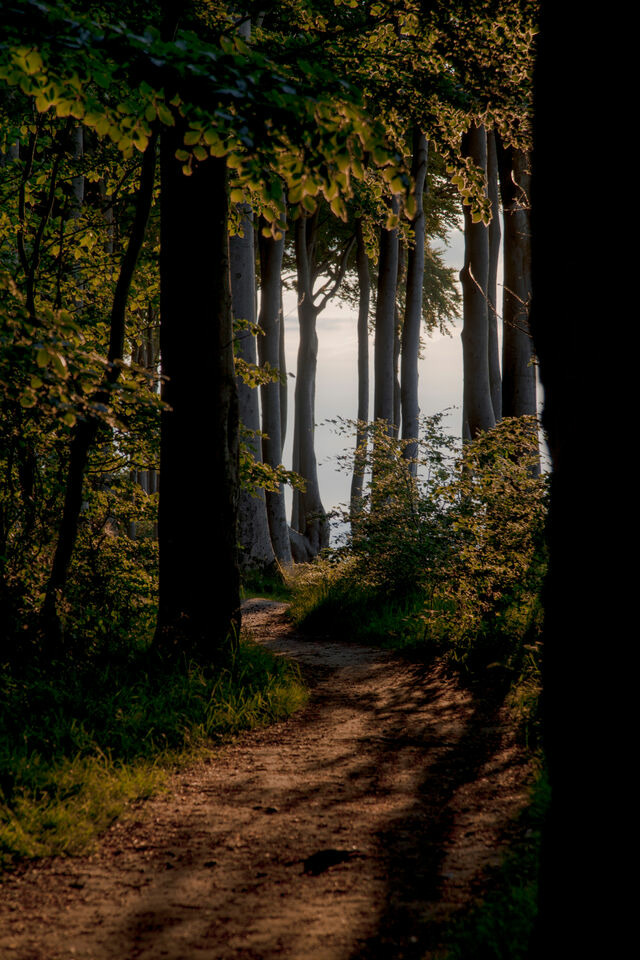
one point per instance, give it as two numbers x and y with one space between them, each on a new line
391 764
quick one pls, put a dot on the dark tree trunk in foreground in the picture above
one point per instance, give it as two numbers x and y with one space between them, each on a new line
589 708
495 236
271 321
199 581
474 276
413 307
254 542
364 286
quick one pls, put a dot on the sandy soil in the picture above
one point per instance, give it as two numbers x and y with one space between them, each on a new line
412 781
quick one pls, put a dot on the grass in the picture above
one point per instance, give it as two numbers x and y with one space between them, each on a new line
500 926
79 744
268 585
326 598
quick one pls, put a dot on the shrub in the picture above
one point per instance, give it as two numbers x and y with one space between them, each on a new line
451 559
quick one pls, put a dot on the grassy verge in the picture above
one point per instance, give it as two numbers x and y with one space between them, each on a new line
268 585
326 598
500 926
78 744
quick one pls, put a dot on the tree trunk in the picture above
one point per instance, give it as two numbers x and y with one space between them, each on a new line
519 382
588 705
364 285
518 370
518 366
385 325
270 320
254 541
413 306
308 515
397 346
474 276
85 430
495 236
284 383
199 603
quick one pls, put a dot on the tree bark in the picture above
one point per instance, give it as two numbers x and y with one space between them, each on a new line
284 383
397 346
364 286
518 369
271 322
495 236
199 603
308 514
385 324
413 307
254 541
474 276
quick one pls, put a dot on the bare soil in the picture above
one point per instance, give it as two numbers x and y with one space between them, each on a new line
410 781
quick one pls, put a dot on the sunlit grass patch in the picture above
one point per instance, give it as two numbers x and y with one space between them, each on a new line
78 745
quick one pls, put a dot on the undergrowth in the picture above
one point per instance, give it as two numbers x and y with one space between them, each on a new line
500 925
273 586
449 563
79 742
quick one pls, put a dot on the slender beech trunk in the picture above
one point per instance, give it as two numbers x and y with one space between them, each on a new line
413 306
385 325
146 356
518 370
397 345
284 385
474 276
254 540
495 236
271 322
199 602
308 515
364 286
85 430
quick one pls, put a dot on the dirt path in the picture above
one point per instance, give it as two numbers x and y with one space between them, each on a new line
392 765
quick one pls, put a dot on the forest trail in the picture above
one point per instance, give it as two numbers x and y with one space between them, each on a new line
391 763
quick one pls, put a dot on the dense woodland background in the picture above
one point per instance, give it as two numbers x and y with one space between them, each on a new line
163 167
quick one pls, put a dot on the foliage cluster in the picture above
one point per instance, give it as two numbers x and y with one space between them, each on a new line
449 562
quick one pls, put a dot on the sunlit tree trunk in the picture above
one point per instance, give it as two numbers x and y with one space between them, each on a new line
474 276
284 383
199 602
413 306
271 322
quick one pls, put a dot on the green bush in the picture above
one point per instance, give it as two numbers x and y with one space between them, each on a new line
448 561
